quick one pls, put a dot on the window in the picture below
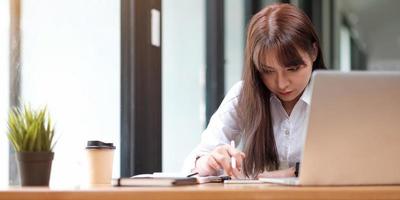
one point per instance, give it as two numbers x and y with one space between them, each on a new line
235 31
70 61
183 76
4 89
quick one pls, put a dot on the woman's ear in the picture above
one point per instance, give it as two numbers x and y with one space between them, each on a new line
314 52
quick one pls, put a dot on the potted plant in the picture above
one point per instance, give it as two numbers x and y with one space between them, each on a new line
31 134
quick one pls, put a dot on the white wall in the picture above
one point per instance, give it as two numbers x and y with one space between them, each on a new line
377 26
71 63
235 29
183 86
4 89
384 64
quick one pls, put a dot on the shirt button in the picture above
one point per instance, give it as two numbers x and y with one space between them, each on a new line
287 132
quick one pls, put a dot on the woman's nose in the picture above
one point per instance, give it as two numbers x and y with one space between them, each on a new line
282 82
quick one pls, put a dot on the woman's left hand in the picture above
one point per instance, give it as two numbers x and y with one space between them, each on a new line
278 173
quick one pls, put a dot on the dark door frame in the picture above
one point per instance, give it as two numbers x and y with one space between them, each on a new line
140 89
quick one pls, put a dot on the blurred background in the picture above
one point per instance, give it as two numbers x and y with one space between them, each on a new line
148 74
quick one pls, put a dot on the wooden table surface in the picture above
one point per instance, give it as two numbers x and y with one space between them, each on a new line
204 191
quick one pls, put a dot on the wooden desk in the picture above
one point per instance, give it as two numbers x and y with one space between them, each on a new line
205 191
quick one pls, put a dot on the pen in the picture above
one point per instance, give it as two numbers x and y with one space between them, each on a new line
193 174
233 160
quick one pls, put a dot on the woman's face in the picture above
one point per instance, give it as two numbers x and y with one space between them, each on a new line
287 83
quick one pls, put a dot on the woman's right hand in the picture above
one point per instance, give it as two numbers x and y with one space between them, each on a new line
220 158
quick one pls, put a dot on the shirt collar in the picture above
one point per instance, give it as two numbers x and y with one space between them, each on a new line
306 96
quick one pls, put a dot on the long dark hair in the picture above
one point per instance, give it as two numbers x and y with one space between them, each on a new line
284 29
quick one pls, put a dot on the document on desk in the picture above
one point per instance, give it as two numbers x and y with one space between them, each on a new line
243 181
154 181
166 179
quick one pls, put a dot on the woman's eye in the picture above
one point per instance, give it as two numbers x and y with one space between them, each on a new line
268 71
294 68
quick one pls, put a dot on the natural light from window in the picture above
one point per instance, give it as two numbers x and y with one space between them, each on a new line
4 91
71 63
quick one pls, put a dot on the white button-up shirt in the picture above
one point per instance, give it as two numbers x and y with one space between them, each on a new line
223 127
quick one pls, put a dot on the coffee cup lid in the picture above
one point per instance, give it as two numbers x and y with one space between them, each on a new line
95 144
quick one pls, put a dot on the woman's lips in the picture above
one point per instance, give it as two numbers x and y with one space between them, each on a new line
285 93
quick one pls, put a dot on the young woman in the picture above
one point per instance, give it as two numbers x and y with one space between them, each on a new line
266 111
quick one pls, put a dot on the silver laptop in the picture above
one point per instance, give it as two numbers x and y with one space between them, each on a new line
353 133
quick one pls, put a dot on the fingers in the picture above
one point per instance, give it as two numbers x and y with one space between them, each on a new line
237 174
238 155
223 158
205 166
214 164
219 159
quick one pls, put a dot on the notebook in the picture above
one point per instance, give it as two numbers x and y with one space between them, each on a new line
166 179
154 181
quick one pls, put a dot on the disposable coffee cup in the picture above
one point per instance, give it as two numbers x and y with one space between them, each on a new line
100 162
